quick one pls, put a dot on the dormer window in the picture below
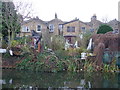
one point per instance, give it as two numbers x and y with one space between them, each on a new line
51 28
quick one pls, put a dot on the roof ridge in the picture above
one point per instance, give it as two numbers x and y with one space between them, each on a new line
70 21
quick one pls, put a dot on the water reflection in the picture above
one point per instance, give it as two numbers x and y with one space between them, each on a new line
27 79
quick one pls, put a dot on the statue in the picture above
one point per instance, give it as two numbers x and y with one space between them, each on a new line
90 44
67 45
76 44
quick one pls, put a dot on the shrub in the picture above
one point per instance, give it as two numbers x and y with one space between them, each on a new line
104 29
26 49
58 43
24 63
62 54
86 38
14 43
4 44
6 55
110 67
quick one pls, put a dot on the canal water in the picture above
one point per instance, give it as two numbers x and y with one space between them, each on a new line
27 79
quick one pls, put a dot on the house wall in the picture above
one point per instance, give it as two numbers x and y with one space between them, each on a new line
56 23
87 27
113 24
77 29
119 27
33 26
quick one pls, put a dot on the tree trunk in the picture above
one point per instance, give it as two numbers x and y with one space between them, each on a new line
13 35
9 39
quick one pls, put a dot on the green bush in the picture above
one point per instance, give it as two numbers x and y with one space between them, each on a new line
62 54
72 66
26 49
24 64
86 38
58 43
110 67
14 43
104 29
6 55
4 44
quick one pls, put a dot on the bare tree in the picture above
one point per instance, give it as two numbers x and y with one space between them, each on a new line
12 16
105 19
25 9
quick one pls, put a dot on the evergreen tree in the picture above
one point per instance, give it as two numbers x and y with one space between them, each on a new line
104 29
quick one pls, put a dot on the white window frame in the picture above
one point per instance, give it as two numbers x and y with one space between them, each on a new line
24 29
60 27
28 29
51 30
37 28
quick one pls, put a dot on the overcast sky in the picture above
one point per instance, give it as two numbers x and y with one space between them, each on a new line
70 9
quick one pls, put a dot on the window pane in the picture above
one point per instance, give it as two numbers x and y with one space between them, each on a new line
73 29
27 29
51 27
70 29
60 27
83 28
38 28
91 30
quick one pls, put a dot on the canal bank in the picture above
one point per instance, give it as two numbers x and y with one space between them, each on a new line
55 62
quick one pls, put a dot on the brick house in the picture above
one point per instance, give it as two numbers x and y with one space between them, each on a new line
33 24
114 24
72 29
47 28
94 23
119 26
54 25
